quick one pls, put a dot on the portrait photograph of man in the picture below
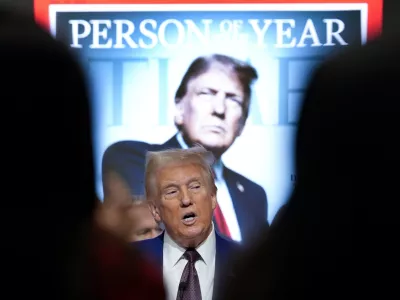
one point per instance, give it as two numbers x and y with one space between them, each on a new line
211 107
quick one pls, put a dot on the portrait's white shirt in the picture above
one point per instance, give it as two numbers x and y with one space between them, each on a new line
223 197
174 264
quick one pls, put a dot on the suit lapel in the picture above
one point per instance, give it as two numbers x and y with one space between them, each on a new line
219 262
222 272
171 143
237 192
158 251
221 253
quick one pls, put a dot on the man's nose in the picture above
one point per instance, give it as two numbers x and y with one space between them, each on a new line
186 199
219 103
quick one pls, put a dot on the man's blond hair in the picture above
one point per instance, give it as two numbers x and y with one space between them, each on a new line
160 159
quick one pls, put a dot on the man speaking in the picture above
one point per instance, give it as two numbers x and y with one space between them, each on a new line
194 259
211 108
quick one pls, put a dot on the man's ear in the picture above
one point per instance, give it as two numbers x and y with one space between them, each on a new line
154 211
178 118
214 199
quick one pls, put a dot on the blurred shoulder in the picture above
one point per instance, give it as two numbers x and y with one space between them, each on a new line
227 246
122 272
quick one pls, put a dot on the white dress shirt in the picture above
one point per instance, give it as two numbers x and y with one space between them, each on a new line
223 196
174 264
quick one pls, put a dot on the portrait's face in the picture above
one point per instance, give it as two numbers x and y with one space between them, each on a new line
211 111
143 224
185 203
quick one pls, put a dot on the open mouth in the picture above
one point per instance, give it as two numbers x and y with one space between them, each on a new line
189 218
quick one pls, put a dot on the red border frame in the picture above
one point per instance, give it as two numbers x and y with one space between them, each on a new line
375 8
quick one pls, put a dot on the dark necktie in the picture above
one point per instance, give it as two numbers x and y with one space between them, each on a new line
220 221
189 286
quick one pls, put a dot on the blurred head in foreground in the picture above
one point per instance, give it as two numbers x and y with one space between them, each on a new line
124 215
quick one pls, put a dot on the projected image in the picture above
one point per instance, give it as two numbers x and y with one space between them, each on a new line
211 109
228 77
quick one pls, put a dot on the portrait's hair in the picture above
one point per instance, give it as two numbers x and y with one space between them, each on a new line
244 73
158 160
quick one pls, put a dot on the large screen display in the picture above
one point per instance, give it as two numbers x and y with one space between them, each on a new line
229 75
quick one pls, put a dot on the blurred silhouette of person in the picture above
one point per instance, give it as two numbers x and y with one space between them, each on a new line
337 236
211 108
51 248
182 194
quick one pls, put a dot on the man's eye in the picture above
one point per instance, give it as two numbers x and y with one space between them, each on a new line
205 92
236 101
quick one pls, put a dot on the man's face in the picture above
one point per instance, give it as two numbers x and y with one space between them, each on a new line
211 111
143 225
185 203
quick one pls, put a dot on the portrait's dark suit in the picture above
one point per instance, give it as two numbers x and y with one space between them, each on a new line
127 158
225 260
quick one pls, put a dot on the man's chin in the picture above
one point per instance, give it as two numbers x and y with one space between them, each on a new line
192 231
212 144
192 237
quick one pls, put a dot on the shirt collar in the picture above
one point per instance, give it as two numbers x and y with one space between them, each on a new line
181 141
218 169
173 252
217 166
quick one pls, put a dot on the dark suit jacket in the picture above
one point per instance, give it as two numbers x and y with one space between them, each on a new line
249 199
226 251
